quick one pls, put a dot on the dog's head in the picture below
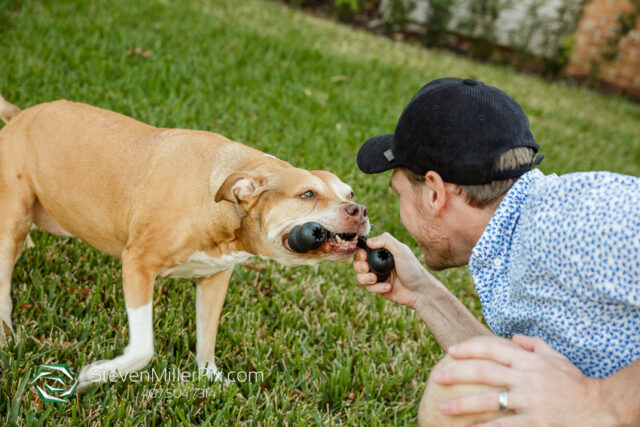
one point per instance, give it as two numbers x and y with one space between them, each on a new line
277 201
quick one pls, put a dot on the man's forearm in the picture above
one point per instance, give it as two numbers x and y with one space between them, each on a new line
622 391
446 317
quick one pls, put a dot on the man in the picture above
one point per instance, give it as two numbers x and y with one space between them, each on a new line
555 261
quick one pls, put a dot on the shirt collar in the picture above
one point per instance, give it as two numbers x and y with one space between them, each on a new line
505 217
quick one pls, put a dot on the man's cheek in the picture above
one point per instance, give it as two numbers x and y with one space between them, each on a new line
406 219
402 212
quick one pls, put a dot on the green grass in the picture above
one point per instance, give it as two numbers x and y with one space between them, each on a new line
308 91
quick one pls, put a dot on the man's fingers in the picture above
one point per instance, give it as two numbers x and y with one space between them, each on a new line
385 240
361 267
476 372
360 255
536 345
473 404
481 402
491 348
367 279
485 402
527 343
398 249
379 288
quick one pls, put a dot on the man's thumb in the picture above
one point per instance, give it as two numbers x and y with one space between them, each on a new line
385 240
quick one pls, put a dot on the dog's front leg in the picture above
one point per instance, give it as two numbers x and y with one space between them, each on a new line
210 293
137 278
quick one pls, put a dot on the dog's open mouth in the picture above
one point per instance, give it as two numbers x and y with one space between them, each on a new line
336 243
339 242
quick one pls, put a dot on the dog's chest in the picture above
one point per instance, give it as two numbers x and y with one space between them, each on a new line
199 264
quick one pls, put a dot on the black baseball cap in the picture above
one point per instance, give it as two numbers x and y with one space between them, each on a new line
457 128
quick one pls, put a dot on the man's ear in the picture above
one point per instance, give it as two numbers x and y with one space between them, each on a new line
436 194
241 187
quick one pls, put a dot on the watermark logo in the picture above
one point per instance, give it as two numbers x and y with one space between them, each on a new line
170 375
52 383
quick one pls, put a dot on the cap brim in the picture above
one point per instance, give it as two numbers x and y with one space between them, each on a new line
371 158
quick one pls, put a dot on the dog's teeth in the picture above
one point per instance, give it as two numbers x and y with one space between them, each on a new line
339 240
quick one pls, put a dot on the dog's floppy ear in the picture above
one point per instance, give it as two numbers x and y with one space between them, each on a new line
241 187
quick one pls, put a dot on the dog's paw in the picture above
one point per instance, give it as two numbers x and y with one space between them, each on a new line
93 373
115 369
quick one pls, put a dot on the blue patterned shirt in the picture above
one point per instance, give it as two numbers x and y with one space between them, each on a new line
560 260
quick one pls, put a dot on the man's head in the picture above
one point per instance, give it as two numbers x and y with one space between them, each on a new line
457 149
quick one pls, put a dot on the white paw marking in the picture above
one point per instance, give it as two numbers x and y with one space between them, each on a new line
112 370
135 356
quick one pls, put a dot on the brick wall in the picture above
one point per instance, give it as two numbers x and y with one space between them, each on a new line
597 24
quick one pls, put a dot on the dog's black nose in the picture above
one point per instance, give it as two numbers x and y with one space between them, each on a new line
357 211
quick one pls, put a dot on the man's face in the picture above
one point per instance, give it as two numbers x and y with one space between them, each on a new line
421 224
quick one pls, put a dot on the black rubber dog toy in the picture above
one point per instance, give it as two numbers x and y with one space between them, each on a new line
311 235
307 237
380 261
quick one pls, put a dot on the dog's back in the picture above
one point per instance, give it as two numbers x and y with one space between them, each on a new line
50 145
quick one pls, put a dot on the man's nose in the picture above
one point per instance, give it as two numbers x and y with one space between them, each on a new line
356 211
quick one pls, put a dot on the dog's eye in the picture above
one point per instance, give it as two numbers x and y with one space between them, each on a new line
307 194
350 196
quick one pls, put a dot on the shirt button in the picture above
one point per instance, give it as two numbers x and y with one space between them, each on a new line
497 262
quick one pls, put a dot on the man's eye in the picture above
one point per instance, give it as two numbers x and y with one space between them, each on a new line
307 194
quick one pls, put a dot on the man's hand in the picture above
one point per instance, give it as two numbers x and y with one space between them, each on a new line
544 387
408 279
412 285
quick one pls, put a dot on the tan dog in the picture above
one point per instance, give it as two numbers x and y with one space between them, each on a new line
178 203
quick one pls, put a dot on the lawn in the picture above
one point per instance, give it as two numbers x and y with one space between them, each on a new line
306 90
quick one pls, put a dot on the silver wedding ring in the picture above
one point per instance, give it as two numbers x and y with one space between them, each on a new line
503 400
